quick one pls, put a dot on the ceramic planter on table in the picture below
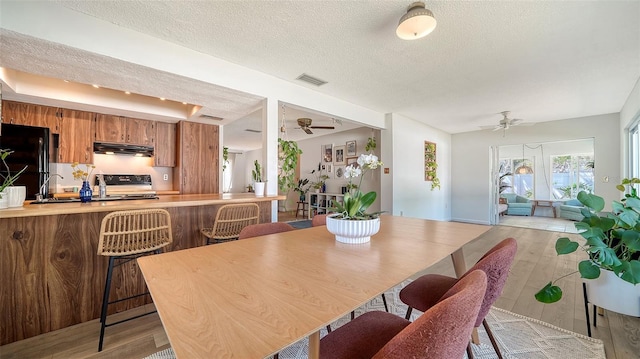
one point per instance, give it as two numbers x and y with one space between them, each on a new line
352 231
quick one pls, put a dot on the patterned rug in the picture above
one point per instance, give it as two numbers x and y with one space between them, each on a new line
518 336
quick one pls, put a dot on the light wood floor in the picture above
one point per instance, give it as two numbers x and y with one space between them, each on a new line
535 264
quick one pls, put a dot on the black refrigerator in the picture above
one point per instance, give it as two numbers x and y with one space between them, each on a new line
30 146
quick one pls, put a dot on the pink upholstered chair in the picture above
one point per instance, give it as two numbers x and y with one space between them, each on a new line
427 290
441 332
319 220
262 229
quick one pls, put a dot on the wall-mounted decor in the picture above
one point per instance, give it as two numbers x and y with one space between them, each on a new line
431 164
352 161
327 153
339 172
351 148
338 155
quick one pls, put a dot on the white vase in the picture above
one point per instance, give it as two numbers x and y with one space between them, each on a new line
4 199
17 195
352 231
259 189
614 294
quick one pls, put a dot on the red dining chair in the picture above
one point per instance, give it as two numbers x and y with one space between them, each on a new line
262 229
441 332
426 291
319 220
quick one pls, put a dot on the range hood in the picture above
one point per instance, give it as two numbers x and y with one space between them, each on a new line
122 149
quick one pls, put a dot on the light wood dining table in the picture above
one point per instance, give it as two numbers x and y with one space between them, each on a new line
253 297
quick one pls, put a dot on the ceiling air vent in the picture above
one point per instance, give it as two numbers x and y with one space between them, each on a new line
310 79
254 131
209 117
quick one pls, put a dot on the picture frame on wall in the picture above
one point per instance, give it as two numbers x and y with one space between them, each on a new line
351 148
352 161
339 157
339 172
327 153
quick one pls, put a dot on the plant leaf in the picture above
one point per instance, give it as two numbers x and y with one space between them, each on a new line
629 217
631 239
631 272
588 269
633 203
592 201
565 246
549 294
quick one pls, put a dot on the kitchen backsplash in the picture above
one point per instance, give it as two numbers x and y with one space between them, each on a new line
112 165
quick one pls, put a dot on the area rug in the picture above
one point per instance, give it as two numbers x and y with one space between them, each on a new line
518 336
300 224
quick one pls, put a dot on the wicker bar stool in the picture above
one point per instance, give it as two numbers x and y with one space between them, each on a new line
125 236
229 221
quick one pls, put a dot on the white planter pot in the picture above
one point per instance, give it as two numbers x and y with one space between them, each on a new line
4 201
614 294
352 232
17 195
259 189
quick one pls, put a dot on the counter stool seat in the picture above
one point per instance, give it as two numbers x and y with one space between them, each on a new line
230 220
125 236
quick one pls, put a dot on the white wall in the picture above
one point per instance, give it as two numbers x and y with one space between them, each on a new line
470 171
405 191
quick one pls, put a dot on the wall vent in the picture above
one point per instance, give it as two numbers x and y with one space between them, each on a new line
254 131
209 117
310 79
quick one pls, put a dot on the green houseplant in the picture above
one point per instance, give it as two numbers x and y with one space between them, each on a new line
301 189
288 155
257 175
612 240
356 203
6 178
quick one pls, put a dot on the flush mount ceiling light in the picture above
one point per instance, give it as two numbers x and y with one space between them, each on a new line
418 22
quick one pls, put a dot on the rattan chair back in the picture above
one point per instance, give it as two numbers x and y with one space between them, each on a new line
132 232
231 219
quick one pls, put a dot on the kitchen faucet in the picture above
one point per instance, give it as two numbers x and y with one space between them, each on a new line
40 195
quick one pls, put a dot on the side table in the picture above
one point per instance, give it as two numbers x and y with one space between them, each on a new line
544 203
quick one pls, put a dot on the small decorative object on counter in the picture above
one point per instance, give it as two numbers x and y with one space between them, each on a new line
85 192
102 187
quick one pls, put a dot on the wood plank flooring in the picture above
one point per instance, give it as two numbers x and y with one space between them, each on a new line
535 264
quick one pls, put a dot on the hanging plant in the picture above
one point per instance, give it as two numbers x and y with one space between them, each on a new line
288 157
371 144
225 157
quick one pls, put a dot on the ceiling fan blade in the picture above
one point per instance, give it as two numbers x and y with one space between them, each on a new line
499 127
323 127
307 130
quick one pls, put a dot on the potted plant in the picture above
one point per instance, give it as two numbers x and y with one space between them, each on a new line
256 173
288 155
351 223
321 178
7 179
301 189
613 249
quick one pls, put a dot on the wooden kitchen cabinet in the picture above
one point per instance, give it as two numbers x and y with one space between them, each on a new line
197 164
27 114
119 129
76 137
165 148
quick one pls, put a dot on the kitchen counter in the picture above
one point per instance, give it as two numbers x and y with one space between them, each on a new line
164 201
52 277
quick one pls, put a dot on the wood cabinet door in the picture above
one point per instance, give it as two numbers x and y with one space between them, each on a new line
165 145
110 129
197 168
140 132
76 137
27 114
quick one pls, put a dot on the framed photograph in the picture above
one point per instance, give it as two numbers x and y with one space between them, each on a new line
329 167
339 172
351 148
338 155
352 161
327 153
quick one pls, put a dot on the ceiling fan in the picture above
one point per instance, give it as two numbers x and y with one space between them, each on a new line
506 122
305 125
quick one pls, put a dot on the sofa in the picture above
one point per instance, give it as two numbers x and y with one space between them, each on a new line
571 209
517 205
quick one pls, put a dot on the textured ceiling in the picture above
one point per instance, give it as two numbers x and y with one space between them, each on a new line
542 60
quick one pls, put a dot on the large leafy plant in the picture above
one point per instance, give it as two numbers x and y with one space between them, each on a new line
612 240
288 156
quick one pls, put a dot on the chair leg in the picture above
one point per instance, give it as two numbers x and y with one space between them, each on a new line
328 328
469 351
492 338
586 308
105 302
384 301
595 317
408 315
353 315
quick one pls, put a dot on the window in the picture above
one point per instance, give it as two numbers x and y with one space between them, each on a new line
571 174
516 176
634 151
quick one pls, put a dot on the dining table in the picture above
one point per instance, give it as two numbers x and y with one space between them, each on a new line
253 297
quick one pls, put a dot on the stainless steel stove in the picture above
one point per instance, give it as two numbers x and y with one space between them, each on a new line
128 186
